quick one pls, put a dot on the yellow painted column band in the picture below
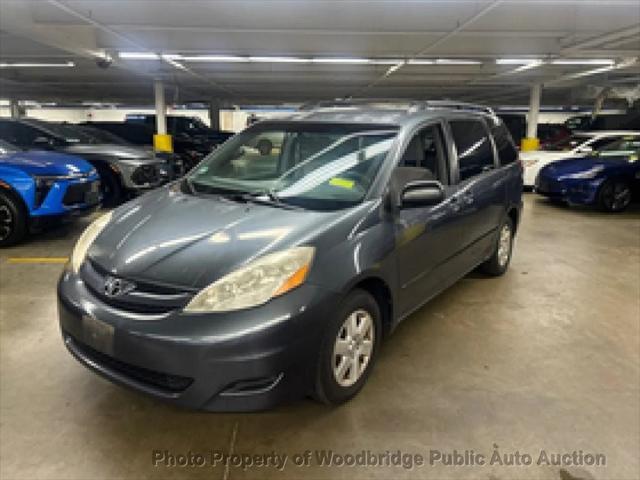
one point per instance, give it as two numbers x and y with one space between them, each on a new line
162 143
529 144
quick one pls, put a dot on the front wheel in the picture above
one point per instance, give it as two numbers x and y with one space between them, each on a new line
499 261
614 196
13 221
110 187
349 349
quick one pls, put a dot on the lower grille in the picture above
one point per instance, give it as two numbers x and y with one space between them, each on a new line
146 174
146 298
80 193
164 381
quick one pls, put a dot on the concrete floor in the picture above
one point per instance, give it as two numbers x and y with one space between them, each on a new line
545 358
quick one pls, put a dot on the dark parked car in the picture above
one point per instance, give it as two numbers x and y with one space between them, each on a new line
182 125
623 121
39 188
607 178
547 133
264 276
188 151
552 133
124 169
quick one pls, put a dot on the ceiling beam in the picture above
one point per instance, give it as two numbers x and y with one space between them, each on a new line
433 45
110 31
601 39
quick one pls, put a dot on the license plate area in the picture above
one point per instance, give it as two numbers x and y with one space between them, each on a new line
93 194
97 334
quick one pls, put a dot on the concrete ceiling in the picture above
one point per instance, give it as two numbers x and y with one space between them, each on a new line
81 31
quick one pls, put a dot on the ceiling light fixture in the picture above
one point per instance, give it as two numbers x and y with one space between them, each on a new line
279 60
344 60
387 61
456 61
583 61
215 58
420 61
38 65
517 61
139 56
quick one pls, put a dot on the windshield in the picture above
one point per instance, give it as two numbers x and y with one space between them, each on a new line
623 146
319 166
567 143
67 132
6 147
102 136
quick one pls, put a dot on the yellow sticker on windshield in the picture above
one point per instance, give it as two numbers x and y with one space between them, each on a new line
341 182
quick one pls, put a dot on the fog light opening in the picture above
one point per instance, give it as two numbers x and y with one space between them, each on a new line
252 387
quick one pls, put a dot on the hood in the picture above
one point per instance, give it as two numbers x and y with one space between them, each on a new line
578 165
46 163
546 156
172 238
125 152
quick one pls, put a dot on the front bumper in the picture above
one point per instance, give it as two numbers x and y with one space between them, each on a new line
141 176
69 197
572 190
237 361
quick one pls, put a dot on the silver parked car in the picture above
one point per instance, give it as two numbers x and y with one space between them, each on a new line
124 169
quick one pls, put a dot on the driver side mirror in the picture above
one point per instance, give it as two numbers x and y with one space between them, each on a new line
422 193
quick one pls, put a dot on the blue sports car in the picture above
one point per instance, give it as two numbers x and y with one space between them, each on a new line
607 178
37 187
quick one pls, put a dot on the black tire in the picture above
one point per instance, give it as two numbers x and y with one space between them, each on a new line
497 264
13 220
265 146
614 195
110 187
327 389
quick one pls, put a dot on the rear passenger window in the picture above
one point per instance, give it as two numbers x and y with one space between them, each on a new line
507 152
475 153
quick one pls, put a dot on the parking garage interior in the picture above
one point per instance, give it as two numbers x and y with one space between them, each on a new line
534 374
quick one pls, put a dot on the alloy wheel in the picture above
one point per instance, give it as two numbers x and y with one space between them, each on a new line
353 348
6 222
616 196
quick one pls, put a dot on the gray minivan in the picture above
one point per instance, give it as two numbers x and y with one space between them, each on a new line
263 276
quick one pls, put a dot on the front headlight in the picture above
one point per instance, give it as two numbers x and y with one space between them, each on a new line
255 283
86 239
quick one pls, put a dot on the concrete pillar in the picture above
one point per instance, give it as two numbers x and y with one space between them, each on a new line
531 142
214 114
161 141
161 108
15 109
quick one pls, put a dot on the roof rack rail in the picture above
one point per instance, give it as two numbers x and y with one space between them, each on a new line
452 104
410 104
355 102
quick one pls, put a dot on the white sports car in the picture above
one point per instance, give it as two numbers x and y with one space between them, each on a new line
577 145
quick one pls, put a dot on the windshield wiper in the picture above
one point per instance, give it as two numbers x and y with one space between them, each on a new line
263 197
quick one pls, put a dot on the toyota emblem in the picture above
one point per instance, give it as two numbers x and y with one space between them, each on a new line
114 287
